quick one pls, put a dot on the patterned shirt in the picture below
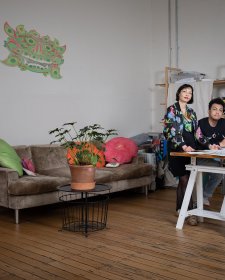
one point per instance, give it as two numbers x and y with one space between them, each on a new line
175 123
206 134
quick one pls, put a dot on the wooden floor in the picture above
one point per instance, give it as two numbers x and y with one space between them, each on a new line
141 242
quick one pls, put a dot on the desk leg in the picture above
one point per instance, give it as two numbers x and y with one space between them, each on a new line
193 160
222 211
186 200
199 190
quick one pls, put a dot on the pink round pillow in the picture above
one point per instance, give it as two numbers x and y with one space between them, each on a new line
120 149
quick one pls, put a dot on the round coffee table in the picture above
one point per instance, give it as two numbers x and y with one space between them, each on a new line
84 211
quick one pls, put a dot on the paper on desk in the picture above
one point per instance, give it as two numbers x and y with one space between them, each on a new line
218 152
200 152
209 152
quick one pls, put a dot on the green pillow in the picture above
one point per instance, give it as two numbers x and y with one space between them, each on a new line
9 158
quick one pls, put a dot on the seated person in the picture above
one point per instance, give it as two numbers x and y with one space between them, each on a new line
211 135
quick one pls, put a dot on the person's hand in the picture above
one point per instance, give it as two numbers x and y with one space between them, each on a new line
187 148
214 147
222 143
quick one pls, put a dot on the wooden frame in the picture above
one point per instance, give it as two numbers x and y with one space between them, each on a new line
168 71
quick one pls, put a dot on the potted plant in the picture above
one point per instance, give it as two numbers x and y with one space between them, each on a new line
85 149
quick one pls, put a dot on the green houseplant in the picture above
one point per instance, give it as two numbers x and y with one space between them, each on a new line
84 147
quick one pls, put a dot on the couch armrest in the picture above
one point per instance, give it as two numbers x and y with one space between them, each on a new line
6 176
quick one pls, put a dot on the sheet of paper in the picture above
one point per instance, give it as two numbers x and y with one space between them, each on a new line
209 152
218 152
196 153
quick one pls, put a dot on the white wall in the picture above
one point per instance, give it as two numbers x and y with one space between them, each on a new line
159 59
202 36
116 53
105 74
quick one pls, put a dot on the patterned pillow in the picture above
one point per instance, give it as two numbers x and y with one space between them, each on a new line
28 164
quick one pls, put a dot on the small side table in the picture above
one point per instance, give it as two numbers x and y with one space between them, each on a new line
84 211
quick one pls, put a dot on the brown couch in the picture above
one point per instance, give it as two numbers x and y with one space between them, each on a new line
52 171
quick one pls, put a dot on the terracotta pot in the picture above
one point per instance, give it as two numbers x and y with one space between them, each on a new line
82 177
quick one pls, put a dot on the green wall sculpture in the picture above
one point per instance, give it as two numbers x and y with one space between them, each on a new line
33 52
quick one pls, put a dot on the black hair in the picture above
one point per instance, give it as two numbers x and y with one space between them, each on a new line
217 101
183 87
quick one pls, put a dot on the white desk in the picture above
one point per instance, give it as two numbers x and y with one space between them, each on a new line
196 179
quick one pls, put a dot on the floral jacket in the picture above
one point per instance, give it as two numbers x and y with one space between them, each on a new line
174 125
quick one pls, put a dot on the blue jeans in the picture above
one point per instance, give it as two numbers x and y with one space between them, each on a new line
210 180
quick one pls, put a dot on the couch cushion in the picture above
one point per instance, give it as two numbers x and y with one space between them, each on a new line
124 171
23 151
131 171
103 176
28 185
48 157
63 171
